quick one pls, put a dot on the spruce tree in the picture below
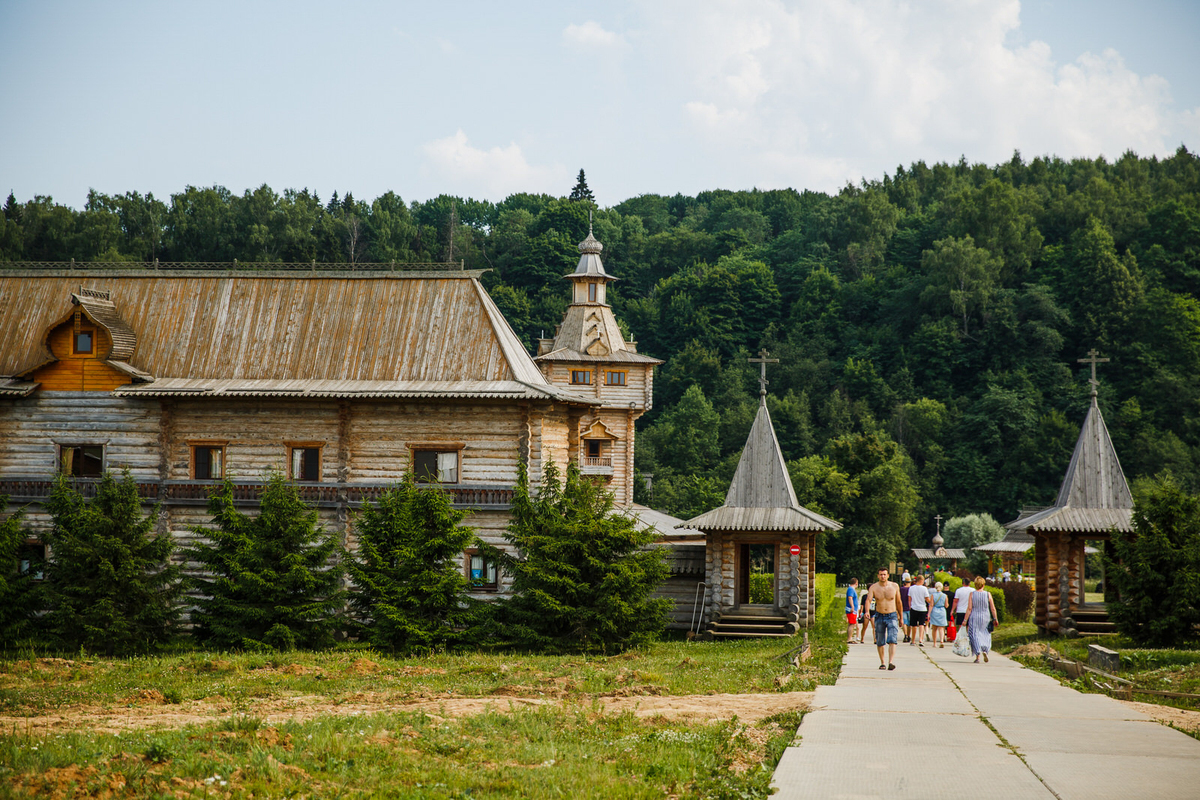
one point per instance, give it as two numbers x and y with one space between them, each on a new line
584 576
19 595
273 577
111 587
408 579
1156 571
581 190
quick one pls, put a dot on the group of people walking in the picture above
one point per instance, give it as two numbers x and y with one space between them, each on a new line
886 607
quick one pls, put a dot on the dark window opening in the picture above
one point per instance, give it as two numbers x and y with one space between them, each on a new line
433 466
306 463
581 376
593 448
83 342
482 572
208 462
82 460
31 560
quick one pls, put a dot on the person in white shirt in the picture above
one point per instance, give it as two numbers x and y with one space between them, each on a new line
959 608
918 615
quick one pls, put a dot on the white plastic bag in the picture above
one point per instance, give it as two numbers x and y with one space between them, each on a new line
962 642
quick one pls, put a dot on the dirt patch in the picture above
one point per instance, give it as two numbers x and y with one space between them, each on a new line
1035 649
147 697
363 666
748 708
1180 717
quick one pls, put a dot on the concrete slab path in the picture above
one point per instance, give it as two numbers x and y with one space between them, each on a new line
940 726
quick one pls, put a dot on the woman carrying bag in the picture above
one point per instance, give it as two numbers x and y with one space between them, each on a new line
979 621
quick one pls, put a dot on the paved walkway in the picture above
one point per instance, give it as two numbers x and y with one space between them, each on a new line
940 726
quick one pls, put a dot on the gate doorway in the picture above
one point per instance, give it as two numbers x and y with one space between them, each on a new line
756 573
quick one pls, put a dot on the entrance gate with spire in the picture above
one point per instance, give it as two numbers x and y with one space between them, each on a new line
758 528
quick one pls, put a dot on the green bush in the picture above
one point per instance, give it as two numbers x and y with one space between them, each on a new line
761 588
950 584
826 589
998 598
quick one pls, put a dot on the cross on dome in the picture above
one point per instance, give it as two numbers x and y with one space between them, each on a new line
762 381
1091 359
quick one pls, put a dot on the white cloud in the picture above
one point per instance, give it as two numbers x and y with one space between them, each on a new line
591 34
501 171
799 92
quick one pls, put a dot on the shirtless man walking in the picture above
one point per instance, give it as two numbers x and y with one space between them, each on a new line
886 595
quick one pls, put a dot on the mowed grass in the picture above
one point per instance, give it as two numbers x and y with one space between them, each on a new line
570 748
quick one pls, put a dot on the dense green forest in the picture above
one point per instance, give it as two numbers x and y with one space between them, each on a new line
928 324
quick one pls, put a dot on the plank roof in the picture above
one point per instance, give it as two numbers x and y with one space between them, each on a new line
761 496
1094 496
231 329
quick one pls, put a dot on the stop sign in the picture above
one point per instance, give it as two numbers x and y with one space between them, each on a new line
795 550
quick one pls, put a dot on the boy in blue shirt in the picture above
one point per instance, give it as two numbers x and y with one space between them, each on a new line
851 609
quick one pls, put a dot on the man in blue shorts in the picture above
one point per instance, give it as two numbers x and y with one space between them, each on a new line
886 595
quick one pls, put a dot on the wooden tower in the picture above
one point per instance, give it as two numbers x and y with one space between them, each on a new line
589 356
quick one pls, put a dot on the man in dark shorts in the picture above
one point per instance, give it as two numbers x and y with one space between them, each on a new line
886 618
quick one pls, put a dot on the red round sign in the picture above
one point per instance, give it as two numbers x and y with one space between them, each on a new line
795 550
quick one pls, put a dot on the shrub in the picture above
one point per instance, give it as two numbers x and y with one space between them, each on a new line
408 577
761 585
826 587
111 587
998 598
1018 599
274 577
584 577
19 595
1157 570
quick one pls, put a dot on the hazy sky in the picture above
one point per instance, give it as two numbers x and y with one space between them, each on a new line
484 99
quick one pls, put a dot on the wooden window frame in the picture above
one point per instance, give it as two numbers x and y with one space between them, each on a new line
592 292
469 556
103 446
579 372
624 373
292 447
209 444
439 448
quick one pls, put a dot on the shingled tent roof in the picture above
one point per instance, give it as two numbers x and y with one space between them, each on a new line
1094 497
761 497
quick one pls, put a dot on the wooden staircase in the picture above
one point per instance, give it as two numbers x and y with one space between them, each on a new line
748 625
1091 619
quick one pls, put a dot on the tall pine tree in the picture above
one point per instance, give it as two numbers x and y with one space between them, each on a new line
581 190
112 588
273 577
408 578
584 576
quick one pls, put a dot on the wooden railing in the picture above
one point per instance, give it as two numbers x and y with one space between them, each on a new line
597 461
324 495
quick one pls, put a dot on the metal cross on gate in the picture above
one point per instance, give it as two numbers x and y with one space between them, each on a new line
763 360
1091 359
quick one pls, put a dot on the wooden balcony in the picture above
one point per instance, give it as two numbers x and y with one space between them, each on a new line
247 493
596 465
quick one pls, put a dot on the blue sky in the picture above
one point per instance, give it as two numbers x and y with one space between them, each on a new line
487 99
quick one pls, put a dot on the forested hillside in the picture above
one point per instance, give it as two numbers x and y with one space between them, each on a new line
927 323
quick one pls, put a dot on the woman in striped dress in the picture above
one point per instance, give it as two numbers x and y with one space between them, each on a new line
981 610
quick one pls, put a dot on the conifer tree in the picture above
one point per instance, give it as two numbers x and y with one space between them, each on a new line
19 595
584 576
581 190
1157 570
111 586
408 578
274 576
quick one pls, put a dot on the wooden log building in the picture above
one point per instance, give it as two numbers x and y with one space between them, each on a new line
761 529
1094 503
342 379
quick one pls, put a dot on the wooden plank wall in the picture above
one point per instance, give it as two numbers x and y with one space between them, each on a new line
30 428
681 591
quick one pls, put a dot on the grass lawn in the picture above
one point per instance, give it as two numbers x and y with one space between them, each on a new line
344 722
1171 670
